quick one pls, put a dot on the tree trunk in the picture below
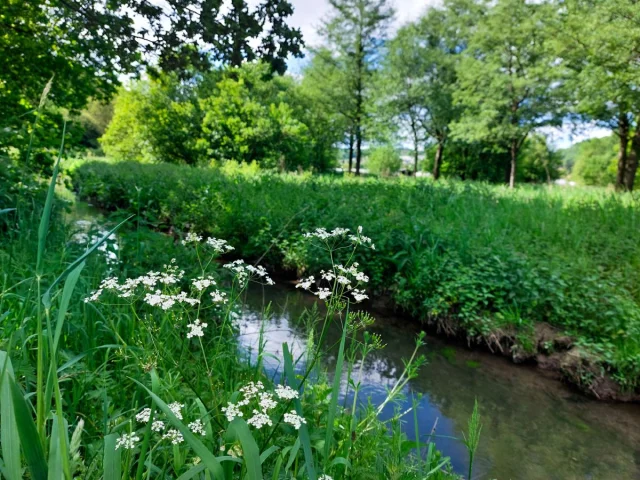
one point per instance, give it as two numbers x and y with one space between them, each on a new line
623 133
632 160
414 129
350 151
358 147
514 157
438 160
359 101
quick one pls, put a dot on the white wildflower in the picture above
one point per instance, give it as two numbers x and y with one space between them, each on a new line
323 293
202 283
294 419
252 389
196 329
157 425
174 436
144 415
259 420
231 411
328 276
197 427
176 408
306 283
220 246
127 441
218 297
285 392
359 295
325 477
267 402
192 238
343 280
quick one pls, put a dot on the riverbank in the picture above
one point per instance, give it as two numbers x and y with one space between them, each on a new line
482 262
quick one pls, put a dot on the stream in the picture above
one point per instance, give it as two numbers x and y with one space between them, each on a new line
534 427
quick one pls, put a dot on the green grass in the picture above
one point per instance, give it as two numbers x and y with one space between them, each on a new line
490 259
74 374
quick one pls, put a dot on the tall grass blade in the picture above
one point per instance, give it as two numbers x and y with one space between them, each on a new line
29 438
335 392
239 430
9 436
48 205
55 455
112 462
6 210
304 431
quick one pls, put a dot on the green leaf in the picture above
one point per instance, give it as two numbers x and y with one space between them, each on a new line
304 431
8 428
112 463
239 430
29 438
267 453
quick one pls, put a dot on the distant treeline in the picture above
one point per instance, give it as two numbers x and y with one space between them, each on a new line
469 85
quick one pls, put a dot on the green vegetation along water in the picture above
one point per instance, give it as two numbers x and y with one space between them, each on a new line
487 262
534 427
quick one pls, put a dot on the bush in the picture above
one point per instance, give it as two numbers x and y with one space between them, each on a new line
384 161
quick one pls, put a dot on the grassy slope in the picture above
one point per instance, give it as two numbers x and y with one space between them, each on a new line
487 257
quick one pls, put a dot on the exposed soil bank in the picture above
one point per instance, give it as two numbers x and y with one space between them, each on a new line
550 349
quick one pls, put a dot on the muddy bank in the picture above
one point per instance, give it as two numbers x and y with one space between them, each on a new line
548 348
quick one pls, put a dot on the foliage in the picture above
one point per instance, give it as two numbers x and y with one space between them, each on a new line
595 161
238 114
384 161
507 87
472 253
354 34
145 371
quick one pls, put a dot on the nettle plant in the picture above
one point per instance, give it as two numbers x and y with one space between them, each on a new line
226 425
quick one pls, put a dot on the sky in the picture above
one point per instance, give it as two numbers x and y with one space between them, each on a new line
308 15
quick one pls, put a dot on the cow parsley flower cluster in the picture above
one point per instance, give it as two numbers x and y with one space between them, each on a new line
202 283
345 279
260 403
174 436
196 329
127 441
108 248
218 245
197 427
176 409
149 287
244 272
339 234
293 419
285 392
158 426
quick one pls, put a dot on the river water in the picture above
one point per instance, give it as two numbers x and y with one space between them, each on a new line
533 426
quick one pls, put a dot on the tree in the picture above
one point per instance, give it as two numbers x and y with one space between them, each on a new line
537 161
599 42
89 45
325 86
508 82
354 34
419 78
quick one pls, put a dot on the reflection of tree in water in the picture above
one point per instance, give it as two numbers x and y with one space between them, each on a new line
533 427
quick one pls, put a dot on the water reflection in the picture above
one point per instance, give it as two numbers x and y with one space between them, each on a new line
534 427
